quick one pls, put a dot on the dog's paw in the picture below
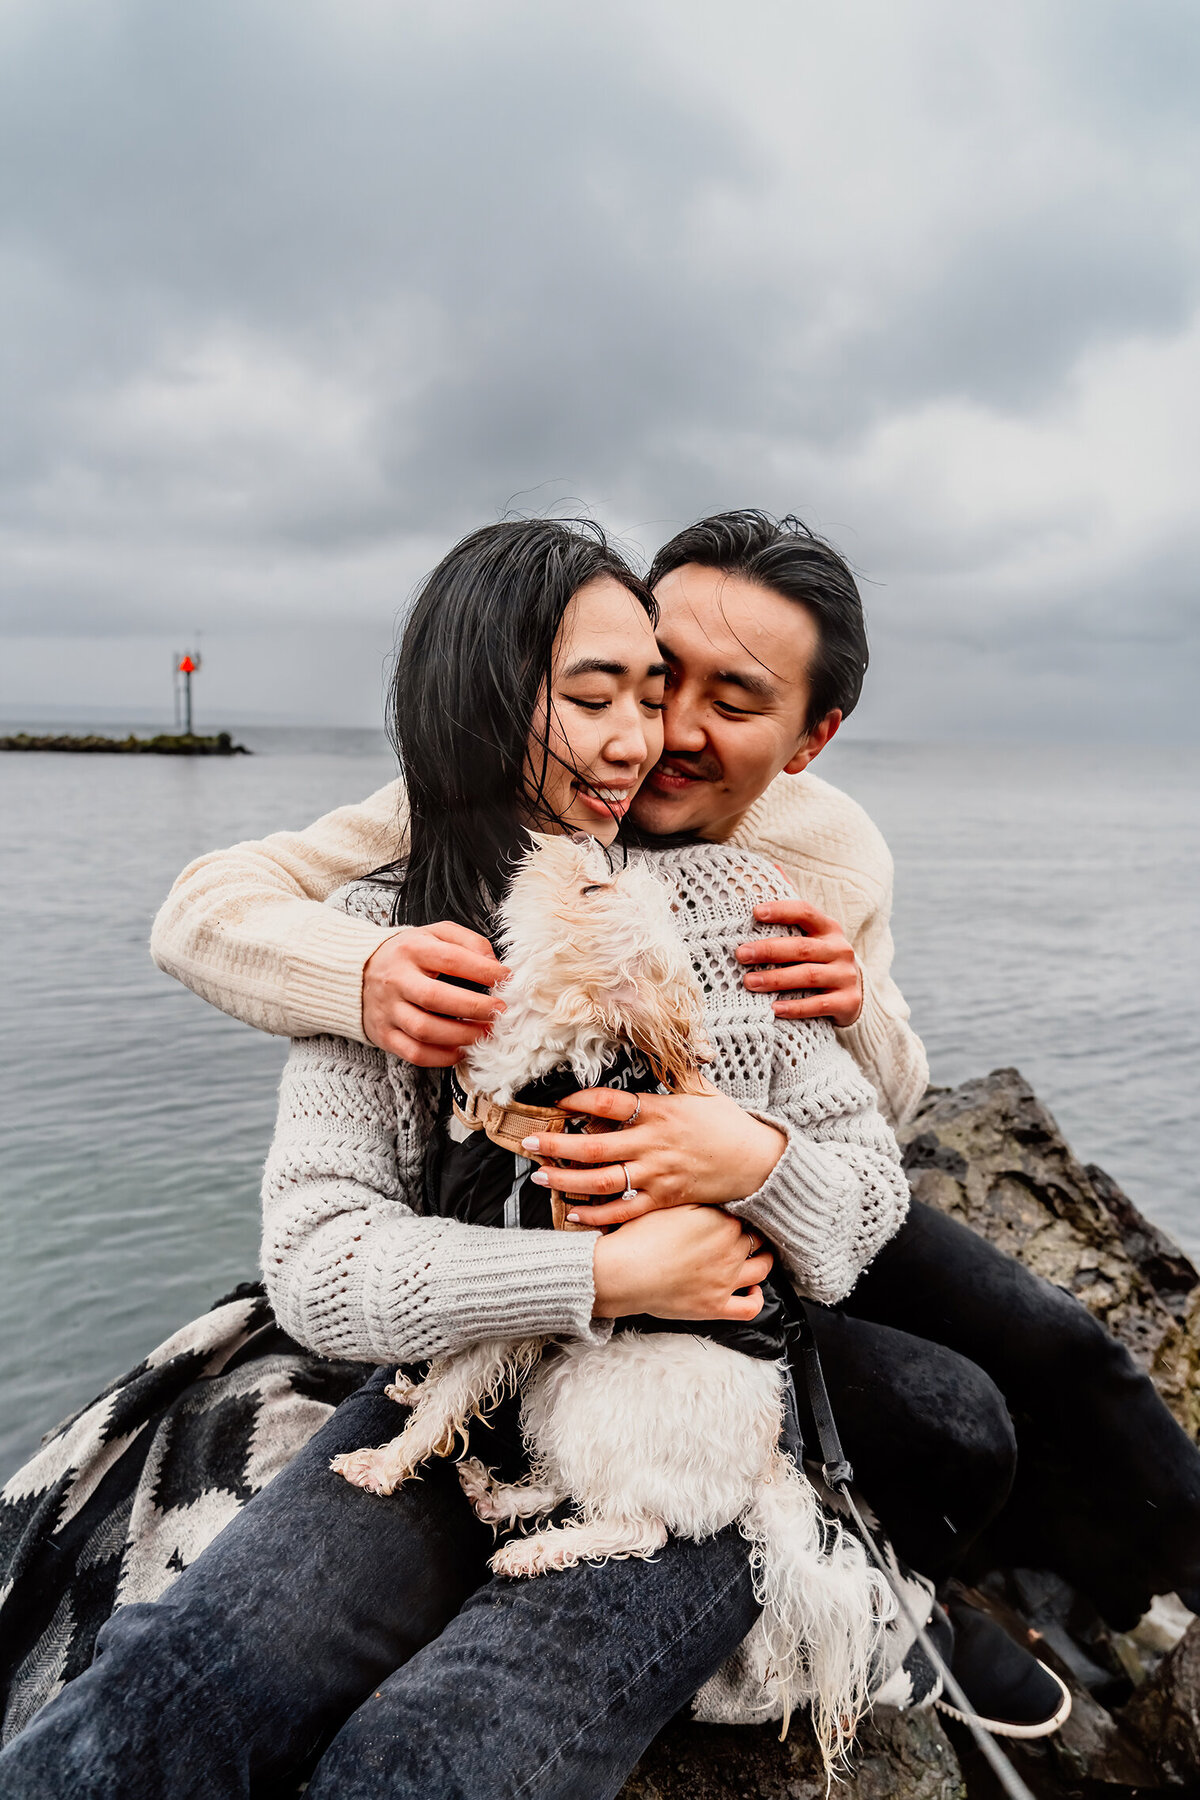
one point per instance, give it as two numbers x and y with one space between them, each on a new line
403 1391
366 1469
476 1483
521 1557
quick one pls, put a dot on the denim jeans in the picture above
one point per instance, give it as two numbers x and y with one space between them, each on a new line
327 1626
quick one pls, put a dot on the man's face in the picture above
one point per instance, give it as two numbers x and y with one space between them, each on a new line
737 700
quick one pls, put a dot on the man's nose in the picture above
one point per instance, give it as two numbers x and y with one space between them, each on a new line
683 726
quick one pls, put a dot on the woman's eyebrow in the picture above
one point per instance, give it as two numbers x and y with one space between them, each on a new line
596 665
593 665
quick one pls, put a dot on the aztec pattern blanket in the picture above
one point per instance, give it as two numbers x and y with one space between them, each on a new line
125 1494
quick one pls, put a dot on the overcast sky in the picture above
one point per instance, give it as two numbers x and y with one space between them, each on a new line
292 292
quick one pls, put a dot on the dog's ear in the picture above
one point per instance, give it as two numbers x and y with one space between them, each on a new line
659 1020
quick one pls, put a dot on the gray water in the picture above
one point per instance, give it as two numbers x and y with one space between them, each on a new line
1046 915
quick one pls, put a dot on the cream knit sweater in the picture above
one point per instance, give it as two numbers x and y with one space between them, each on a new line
245 928
354 1269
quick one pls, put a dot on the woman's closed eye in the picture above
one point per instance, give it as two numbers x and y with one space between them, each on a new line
599 706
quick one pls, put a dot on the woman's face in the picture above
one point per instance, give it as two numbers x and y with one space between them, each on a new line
605 712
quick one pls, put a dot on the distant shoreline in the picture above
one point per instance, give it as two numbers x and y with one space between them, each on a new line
164 744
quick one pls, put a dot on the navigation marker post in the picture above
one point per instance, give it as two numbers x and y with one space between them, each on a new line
187 666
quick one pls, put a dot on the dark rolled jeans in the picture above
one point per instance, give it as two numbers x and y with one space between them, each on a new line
366 1635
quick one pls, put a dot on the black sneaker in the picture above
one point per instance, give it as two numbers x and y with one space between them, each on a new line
1011 1693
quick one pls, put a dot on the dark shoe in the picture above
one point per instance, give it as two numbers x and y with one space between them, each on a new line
1011 1693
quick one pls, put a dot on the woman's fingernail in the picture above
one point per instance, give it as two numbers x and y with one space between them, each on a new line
530 1144
541 1178
573 1219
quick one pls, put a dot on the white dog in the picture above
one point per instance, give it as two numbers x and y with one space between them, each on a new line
649 1434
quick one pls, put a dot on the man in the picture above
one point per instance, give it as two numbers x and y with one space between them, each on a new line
761 627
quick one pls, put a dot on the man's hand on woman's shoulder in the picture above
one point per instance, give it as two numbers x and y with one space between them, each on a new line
409 1011
814 971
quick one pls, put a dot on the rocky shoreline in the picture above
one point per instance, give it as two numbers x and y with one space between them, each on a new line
989 1153
164 744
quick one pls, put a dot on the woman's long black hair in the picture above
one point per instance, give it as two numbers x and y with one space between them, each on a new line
476 650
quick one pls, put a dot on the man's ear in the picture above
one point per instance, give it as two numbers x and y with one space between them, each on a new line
813 742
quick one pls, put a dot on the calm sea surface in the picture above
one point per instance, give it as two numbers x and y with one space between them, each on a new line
1046 915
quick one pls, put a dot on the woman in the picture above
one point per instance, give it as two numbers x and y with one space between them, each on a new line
325 1624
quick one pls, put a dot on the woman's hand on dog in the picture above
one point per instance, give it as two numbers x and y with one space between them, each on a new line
684 1150
694 1262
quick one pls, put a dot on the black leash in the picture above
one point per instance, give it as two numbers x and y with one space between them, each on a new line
838 1474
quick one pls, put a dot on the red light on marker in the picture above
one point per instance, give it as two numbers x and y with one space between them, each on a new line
187 666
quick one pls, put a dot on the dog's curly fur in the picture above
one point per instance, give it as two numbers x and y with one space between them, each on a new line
649 1434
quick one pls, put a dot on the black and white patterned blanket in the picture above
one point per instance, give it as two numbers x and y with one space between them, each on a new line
128 1492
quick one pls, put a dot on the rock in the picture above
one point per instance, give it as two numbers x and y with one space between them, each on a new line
900 1756
989 1153
1164 1715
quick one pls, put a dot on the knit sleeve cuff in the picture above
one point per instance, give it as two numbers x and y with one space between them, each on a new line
483 1283
325 962
797 1207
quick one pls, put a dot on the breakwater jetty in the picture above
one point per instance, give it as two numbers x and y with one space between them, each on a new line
164 744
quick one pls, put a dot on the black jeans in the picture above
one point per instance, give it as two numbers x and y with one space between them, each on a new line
325 1625
991 1420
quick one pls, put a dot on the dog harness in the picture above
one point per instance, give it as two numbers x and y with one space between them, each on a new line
507 1126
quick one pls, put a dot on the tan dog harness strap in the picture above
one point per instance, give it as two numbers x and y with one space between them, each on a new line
507 1126
510 1125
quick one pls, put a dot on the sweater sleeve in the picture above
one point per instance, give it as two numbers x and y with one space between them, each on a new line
351 1268
881 1040
838 1192
246 930
830 851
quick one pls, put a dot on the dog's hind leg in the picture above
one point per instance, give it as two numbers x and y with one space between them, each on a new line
457 1387
563 1546
503 1502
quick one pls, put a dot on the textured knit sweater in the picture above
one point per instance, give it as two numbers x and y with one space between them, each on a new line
355 1269
245 928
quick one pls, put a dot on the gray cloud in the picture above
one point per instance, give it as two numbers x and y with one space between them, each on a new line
293 294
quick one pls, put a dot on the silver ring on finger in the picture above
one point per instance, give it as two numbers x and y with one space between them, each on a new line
630 1191
634 1116
755 1245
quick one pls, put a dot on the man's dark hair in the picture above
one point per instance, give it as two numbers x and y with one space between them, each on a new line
785 556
